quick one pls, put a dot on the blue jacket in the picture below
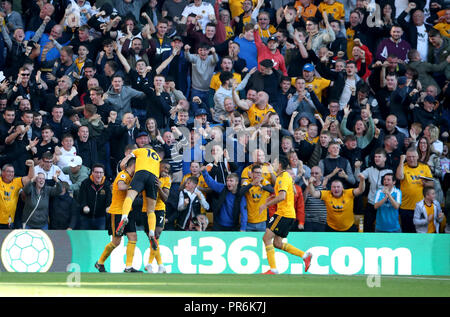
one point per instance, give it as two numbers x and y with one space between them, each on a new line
226 205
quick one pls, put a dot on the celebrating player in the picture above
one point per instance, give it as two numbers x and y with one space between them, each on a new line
145 179
119 192
282 220
163 184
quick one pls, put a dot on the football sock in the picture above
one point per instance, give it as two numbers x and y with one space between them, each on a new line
127 205
154 254
158 255
292 250
151 221
270 251
106 252
131 245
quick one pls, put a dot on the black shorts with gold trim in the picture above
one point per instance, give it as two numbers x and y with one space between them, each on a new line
280 225
144 180
112 222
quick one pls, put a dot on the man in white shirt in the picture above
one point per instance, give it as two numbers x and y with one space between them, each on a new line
203 10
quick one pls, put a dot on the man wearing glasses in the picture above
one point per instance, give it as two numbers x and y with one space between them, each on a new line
50 170
25 87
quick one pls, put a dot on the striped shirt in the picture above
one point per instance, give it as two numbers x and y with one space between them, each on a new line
315 209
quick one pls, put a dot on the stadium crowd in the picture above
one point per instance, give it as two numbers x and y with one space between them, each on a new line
354 95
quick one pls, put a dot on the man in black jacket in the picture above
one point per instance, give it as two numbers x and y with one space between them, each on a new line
94 197
86 147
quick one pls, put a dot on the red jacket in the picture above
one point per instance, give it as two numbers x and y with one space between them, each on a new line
299 205
265 53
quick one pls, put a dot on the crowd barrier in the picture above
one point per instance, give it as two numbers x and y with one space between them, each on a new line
230 252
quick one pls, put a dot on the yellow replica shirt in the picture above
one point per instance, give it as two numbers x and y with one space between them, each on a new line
319 84
9 196
229 31
236 7
267 176
308 12
266 33
443 28
216 83
350 34
148 160
255 197
256 115
412 186
286 207
340 215
336 9
430 211
166 182
313 141
118 196
201 180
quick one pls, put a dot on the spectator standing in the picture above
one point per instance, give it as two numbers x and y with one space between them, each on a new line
428 214
37 198
387 202
413 175
94 198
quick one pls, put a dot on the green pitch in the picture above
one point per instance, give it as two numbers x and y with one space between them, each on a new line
186 285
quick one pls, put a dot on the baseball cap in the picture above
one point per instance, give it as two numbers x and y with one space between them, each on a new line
142 133
401 80
177 38
308 67
200 111
429 99
75 161
273 38
266 63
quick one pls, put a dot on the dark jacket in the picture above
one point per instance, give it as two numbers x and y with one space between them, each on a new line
63 212
97 197
87 151
410 29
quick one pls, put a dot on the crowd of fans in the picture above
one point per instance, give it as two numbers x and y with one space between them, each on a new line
353 94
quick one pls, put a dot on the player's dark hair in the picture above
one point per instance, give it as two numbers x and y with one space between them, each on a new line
284 162
131 161
255 166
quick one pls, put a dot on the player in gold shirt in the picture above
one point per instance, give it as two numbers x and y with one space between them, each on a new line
119 193
10 187
283 219
163 184
144 179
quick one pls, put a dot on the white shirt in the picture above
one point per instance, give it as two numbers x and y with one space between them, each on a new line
66 156
422 41
347 92
205 10
49 174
